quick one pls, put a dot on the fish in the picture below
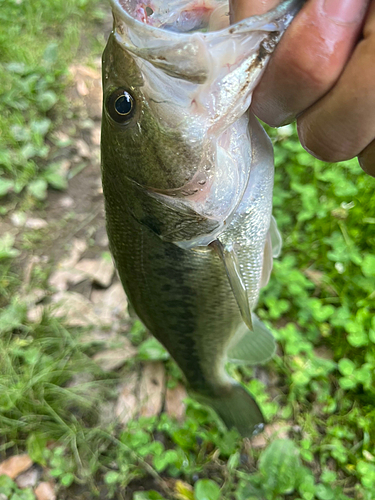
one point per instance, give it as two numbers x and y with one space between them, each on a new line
187 175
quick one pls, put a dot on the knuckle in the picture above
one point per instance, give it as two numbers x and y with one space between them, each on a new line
312 72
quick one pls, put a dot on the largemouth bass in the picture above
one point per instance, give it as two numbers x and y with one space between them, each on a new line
187 178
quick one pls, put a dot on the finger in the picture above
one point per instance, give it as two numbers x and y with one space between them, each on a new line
240 9
309 58
367 159
342 123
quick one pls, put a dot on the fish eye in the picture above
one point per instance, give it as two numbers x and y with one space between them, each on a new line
120 106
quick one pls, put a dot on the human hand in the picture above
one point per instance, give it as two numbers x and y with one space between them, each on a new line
323 73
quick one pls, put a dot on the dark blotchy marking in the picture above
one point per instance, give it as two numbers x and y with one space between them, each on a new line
177 304
181 299
166 287
266 47
152 223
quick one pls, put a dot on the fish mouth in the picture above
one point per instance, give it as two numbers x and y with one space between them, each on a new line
180 16
185 38
206 16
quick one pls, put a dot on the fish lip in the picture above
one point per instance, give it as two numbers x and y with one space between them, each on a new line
287 7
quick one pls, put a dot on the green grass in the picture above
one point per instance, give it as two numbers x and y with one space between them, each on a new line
37 42
37 363
320 304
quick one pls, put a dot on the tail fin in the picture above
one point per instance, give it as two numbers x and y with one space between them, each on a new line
237 409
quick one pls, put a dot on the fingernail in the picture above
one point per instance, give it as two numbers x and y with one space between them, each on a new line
344 11
368 167
301 130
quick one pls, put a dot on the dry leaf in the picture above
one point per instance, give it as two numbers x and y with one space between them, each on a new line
18 219
13 466
106 413
34 296
28 271
82 87
174 405
35 223
101 237
95 154
76 159
65 274
278 429
83 148
323 352
151 389
127 404
113 359
61 136
45 491
35 314
95 135
88 85
6 227
29 478
75 252
100 271
77 310
64 167
98 337
315 276
61 279
113 301
319 280
98 64
80 70
66 202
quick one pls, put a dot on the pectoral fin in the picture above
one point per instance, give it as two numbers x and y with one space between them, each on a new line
272 249
252 347
276 239
253 343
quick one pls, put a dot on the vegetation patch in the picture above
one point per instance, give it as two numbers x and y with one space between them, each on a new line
98 423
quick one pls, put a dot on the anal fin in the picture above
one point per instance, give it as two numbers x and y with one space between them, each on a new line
252 347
